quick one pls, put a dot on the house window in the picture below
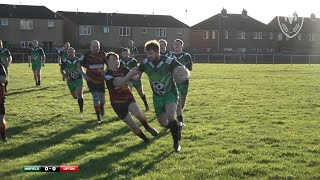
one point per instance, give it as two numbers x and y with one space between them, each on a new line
271 36
161 32
226 35
227 49
179 31
4 22
257 35
85 30
25 44
124 31
242 50
50 23
299 36
144 30
213 35
241 35
205 35
312 37
258 50
106 29
280 36
272 50
26 24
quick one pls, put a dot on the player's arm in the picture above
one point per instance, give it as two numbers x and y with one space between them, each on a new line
43 57
60 57
189 62
9 60
63 71
119 82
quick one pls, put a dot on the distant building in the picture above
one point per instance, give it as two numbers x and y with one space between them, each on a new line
20 24
230 33
114 30
306 41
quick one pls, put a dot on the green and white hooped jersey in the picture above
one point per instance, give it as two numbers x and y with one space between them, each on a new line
70 66
160 75
131 63
63 54
4 55
36 53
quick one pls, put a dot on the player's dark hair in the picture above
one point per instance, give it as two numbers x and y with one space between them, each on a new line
164 41
179 40
112 54
152 45
125 50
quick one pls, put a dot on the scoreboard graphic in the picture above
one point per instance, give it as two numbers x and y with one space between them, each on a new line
61 168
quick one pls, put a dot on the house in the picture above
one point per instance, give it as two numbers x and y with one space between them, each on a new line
230 33
20 24
307 40
114 30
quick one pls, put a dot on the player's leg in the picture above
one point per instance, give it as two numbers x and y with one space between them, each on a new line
136 111
39 75
122 110
6 83
138 85
183 91
35 77
96 104
171 108
102 98
79 94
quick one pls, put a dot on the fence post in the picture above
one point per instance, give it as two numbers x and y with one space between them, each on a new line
208 58
273 59
291 60
194 58
240 59
309 60
224 59
256 59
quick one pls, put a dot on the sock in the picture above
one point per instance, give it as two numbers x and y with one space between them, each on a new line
102 109
144 99
180 118
175 132
5 86
3 131
145 124
142 135
80 103
97 108
39 82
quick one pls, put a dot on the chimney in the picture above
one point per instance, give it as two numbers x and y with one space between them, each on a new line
244 13
313 16
224 12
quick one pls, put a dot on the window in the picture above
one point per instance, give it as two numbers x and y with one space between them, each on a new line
299 36
144 30
50 23
312 37
280 36
4 22
106 29
85 30
179 31
26 24
161 32
257 35
271 36
124 31
241 35
242 50
272 50
226 35
258 50
213 35
25 44
205 35
227 49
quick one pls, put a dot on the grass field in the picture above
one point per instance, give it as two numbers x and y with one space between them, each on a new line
242 122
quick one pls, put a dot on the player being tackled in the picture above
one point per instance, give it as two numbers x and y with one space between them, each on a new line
121 97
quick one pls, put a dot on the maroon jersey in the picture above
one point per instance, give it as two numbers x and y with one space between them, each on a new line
94 63
123 94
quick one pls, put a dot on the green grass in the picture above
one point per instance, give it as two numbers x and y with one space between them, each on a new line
242 122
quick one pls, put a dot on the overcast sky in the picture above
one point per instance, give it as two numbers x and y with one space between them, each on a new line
197 11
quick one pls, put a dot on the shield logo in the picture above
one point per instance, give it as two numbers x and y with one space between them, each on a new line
290 26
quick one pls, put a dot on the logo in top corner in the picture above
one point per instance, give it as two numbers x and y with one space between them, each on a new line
290 26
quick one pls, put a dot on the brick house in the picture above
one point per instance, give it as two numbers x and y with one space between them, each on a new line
114 30
230 33
20 24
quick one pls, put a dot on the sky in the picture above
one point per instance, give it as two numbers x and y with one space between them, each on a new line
187 11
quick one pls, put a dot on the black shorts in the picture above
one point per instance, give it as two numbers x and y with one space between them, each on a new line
2 109
122 109
96 87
